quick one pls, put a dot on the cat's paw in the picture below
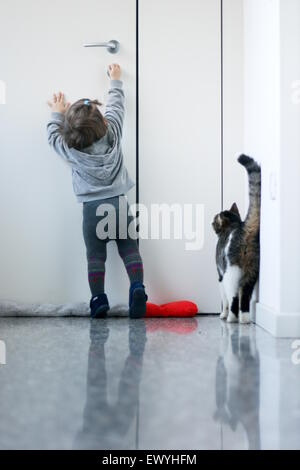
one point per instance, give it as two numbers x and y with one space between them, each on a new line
244 318
224 315
232 318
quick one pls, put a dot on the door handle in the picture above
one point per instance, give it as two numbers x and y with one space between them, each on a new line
112 46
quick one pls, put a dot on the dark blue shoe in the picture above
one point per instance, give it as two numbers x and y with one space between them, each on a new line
137 300
99 306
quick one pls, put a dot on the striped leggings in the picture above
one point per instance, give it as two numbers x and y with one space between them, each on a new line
104 221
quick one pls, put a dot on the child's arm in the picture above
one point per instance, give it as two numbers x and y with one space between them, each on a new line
59 108
115 109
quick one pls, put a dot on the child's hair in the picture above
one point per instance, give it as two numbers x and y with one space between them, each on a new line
83 124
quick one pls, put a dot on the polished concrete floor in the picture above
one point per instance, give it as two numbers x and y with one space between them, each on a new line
155 384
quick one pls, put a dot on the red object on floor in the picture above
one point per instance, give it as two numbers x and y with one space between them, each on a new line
183 309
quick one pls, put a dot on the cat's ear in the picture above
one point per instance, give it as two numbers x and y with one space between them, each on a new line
235 210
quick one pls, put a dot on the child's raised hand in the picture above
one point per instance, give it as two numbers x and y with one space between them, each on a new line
114 71
58 104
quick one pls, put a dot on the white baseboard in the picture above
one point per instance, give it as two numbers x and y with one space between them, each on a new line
279 324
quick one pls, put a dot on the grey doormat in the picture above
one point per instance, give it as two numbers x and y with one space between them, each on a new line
14 309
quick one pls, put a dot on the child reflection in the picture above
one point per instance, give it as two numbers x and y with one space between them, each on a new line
237 384
106 426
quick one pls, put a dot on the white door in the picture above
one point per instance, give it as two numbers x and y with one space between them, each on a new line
41 48
180 139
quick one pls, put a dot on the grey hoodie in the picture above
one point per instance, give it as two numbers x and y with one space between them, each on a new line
98 171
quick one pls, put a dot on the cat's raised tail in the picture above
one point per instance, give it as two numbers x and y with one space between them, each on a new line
252 221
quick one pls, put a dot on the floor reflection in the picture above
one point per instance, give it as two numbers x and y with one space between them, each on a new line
105 426
153 384
238 384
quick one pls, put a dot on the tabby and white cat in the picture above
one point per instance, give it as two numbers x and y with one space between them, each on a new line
238 250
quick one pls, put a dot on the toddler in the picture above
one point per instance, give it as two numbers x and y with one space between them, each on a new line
91 143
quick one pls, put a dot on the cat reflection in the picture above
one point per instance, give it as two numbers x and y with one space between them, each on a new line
105 425
237 383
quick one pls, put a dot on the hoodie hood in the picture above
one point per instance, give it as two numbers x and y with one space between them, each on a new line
101 162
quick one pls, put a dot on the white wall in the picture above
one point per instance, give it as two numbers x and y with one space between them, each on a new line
290 156
271 136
